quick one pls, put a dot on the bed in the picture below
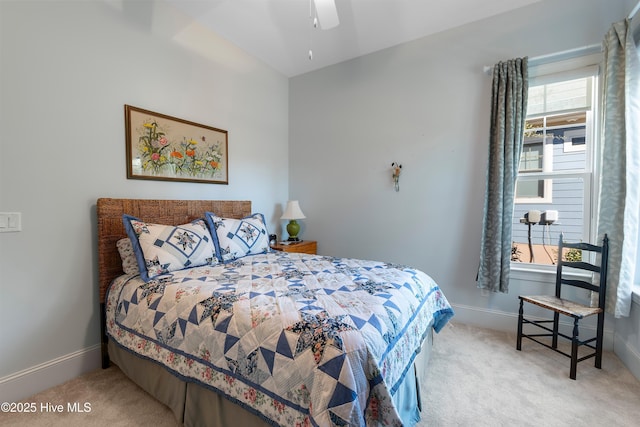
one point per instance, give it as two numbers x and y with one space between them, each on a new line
265 338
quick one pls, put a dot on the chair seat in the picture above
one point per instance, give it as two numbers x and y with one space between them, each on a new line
563 306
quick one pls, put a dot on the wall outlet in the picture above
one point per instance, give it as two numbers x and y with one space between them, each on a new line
10 221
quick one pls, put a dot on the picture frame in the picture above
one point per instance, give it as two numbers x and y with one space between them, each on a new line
166 148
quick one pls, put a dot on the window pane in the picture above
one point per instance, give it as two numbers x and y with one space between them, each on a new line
561 96
531 158
530 189
571 119
567 95
535 103
533 126
568 201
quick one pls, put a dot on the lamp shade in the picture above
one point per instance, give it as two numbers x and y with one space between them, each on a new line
292 211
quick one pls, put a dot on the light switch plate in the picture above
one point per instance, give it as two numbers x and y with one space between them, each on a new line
10 221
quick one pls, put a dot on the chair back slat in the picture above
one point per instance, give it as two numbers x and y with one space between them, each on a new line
583 246
581 284
581 265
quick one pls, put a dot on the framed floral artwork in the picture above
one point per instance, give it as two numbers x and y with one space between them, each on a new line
166 148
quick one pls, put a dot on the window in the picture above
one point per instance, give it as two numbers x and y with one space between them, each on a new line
556 173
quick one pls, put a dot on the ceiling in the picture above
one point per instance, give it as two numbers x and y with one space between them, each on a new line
281 33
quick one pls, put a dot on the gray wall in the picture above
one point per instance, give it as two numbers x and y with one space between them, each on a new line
67 70
424 104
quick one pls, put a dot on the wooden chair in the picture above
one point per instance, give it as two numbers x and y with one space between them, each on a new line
559 305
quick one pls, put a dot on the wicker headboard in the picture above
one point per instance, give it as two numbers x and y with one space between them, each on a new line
173 212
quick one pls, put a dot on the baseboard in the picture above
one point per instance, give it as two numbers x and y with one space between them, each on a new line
508 322
629 356
490 319
19 386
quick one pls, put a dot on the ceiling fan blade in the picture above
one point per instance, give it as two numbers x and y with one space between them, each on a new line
327 13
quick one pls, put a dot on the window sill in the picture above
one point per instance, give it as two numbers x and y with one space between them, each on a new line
540 273
520 267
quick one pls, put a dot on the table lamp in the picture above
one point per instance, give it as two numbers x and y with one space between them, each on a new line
292 213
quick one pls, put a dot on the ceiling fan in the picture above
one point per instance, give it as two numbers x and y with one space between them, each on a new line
326 13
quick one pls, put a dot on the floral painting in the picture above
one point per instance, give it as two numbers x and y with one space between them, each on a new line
167 148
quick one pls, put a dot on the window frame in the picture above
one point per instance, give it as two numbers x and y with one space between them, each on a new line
565 71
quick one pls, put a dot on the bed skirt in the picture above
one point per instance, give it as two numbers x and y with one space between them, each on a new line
194 405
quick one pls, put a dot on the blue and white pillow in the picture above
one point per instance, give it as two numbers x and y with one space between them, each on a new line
236 238
161 249
128 257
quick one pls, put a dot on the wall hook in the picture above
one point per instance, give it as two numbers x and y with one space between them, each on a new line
397 167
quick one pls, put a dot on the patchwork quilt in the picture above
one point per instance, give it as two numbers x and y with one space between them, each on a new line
298 339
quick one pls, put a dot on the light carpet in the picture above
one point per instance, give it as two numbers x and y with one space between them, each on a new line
476 377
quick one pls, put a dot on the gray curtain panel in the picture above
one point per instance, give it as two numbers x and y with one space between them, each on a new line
508 113
620 178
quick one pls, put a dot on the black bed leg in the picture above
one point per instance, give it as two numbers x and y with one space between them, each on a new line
104 352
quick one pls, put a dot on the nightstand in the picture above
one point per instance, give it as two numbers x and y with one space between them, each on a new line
304 246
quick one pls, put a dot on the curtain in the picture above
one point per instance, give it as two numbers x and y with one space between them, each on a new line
620 178
508 113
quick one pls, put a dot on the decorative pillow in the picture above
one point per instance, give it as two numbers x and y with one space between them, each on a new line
236 238
161 249
128 257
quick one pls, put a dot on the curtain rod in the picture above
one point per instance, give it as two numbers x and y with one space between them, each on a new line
566 54
557 56
634 11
